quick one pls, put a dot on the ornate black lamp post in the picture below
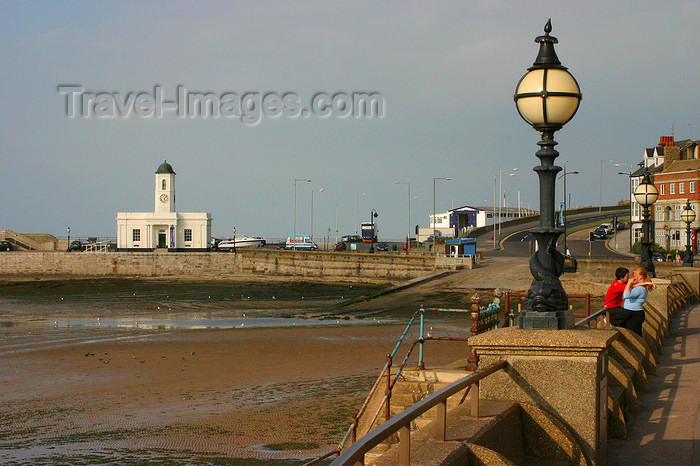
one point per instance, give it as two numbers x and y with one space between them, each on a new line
646 194
688 216
547 97
372 215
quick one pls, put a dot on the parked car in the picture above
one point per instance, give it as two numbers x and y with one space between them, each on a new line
5 246
75 246
657 257
382 247
340 246
621 225
600 233
608 227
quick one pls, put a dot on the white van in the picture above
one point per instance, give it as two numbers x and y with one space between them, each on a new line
300 242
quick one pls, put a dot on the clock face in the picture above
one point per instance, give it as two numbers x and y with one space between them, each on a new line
163 198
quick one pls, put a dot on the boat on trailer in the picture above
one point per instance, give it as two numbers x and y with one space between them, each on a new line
242 242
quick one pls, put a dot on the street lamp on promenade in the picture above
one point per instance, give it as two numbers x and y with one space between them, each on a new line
600 194
294 231
547 97
563 212
356 194
408 235
372 215
311 233
688 216
501 196
434 215
68 247
645 195
629 175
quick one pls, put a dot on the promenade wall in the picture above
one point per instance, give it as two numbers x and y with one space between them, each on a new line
244 265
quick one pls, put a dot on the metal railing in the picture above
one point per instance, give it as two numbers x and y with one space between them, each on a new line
401 423
483 319
101 246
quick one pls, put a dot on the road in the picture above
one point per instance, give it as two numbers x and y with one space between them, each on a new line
516 241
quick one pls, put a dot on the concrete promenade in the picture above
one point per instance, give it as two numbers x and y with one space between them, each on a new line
666 431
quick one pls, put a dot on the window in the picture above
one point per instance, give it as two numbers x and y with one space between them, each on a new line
136 234
188 234
672 188
663 189
691 188
163 184
681 188
677 211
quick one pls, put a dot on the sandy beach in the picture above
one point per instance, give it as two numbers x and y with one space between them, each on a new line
234 396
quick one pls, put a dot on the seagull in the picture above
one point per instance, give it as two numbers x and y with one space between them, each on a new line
191 353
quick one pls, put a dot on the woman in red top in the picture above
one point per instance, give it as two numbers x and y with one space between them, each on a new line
613 298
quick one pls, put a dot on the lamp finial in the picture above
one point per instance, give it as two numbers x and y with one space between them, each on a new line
548 26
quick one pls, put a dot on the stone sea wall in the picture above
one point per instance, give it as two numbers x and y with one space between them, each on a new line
244 265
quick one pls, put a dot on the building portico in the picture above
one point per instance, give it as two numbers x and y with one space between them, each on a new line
164 228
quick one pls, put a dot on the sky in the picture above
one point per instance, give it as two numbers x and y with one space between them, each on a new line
445 74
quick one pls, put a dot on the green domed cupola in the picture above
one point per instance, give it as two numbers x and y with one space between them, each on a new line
165 167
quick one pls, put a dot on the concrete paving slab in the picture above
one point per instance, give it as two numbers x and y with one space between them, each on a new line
666 431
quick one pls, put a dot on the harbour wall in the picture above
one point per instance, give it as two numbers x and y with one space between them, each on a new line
254 264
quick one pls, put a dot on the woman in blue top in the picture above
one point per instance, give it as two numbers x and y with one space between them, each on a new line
635 296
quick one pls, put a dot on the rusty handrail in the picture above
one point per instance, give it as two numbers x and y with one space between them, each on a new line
355 453
598 317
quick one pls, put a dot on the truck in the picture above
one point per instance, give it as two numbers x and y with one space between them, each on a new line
301 243
369 232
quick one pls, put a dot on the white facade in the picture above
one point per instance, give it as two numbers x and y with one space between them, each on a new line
164 227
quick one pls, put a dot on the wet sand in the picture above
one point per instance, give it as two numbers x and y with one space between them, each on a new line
126 396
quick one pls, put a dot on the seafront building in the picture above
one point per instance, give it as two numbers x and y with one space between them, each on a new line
164 228
675 170
460 221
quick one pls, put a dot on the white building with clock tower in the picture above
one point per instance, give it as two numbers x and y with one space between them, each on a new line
164 228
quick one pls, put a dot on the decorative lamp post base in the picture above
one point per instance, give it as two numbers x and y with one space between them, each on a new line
549 320
546 302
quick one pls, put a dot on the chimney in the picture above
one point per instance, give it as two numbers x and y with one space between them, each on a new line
666 141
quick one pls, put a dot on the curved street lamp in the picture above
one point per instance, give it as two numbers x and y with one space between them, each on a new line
688 216
646 194
563 212
547 97
311 234
294 228
435 215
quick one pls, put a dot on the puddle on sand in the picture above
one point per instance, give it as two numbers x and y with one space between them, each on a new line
196 322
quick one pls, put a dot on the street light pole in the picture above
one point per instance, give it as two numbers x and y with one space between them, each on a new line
294 231
500 195
600 194
68 247
356 194
434 214
688 216
629 187
563 213
311 234
372 215
645 195
547 97
408 236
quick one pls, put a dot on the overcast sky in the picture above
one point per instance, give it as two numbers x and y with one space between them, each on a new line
446 72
